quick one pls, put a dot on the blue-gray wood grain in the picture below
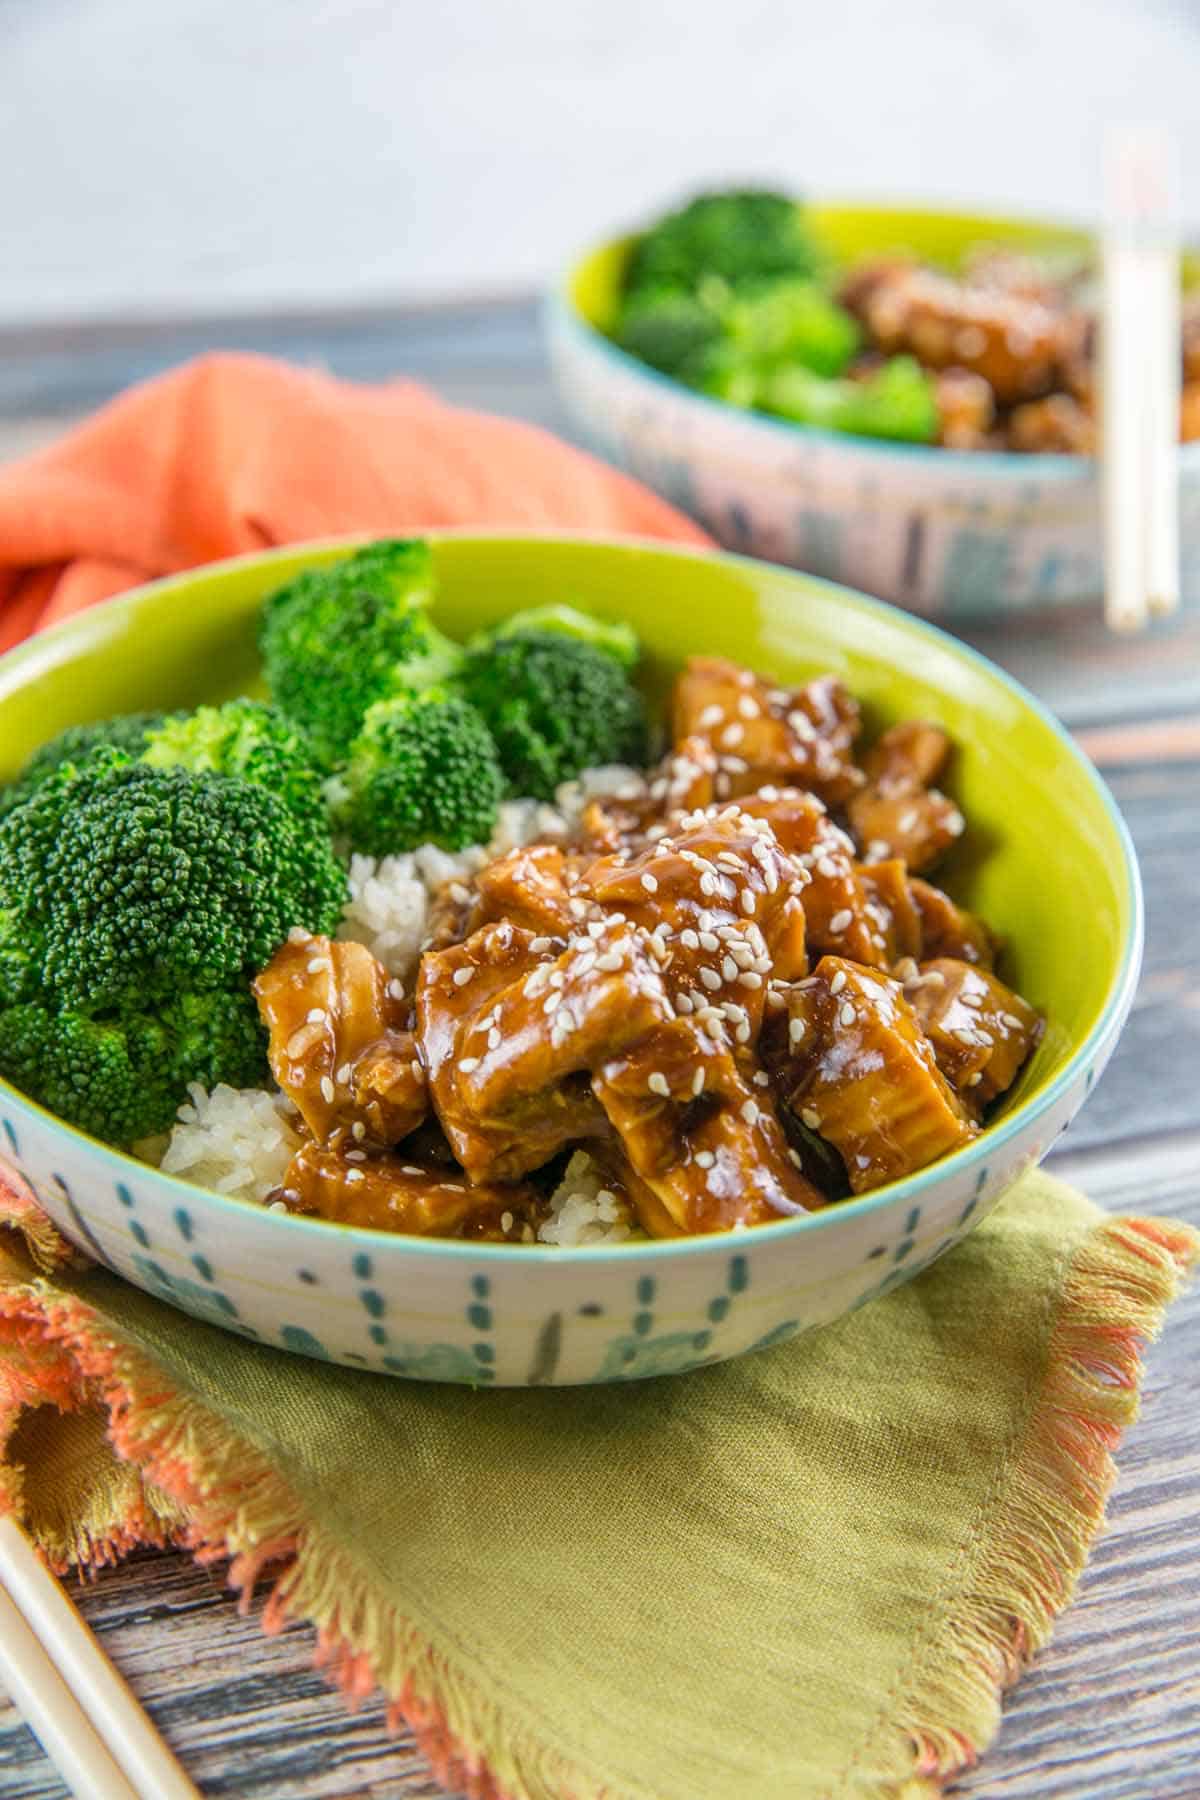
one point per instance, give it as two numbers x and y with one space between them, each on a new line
1111 1710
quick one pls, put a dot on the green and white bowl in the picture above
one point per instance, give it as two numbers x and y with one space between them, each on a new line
954 534
1046 859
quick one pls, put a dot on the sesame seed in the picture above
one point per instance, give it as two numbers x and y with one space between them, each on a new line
418 1072
506 1222
748 708
698 1082
704 1159
355 1175
609 962
650 884
657 1083
557 979
356 1156
459 893
750 978
711 979
359 1130
907 820
762 1079
712 715
729 969
1012 1021
775 1000
750 1112
343 1075
493 1038
410 1169
316 1016
538 946
971 999
298 935
462 976
709 941
577 909
327 1093
841 921
955 823
747 901
551 1001
707 885
597 928
689 939
838 982
965 1037
794 1157
732 736
396 990
684 1003
468 1065
973 1080
796 1030
811 1118
318 963
827 867
847 1014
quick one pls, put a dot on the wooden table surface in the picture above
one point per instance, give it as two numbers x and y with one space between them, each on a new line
1111 1710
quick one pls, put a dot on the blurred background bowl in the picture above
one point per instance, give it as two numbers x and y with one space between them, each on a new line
953 534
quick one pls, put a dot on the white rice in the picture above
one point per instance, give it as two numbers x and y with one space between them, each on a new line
238 1141
584 1211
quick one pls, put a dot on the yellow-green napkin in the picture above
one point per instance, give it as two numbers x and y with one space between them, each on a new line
808 1572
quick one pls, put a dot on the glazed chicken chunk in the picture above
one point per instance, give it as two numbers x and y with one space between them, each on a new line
981 1032
329 1005
510 1035
862 1074
899 813
802 737
701 1135
388 1193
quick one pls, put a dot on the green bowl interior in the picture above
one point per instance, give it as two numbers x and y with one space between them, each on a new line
852 232
1044 859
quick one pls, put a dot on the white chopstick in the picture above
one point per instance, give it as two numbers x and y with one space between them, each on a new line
41 1695
1139 368
56 1672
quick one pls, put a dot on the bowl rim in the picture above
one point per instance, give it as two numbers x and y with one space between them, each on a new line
559 309
897 1193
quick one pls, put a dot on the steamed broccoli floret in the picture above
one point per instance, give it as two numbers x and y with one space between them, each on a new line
614 636
130 882
668 329
898 401
339 638
128 731
107 1076
793 322
423 770
122 1075
554 705
742 237
244 738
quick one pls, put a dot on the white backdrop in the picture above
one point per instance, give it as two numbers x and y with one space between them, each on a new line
214 154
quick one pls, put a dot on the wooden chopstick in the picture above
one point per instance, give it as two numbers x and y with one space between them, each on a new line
73 1691
1139 370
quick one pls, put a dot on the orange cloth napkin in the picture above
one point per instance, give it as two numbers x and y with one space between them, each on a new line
232 453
